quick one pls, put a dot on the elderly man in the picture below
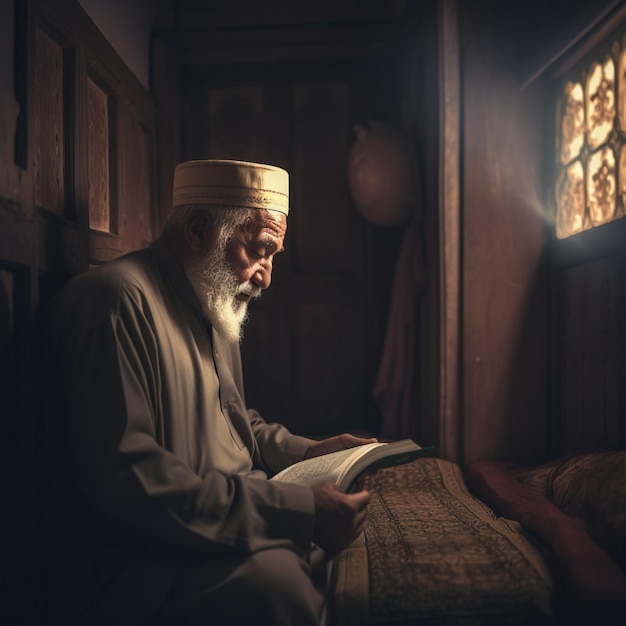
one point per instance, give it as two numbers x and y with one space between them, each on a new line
160 509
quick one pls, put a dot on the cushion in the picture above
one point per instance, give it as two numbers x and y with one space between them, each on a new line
591 585
591 487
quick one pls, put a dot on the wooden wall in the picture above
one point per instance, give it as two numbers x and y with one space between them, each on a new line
588 278
77 188
504 287
589 340
542 347
90 144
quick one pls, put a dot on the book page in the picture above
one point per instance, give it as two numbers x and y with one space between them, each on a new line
326 466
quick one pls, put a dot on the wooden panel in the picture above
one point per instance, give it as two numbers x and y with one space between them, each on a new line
137 183
447 230
329 261
266 351
99 155
229 33
504 300
236 116
103 247
49 124
166 72
231 16
329 357
590 343
62 249
325 223
13 96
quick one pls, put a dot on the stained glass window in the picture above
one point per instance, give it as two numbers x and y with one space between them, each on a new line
591 145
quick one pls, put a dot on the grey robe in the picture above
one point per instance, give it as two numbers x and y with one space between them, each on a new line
154 452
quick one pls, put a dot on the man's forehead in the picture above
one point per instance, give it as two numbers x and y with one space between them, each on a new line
273 221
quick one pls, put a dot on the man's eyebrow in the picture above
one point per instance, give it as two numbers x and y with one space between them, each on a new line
274 249
269 242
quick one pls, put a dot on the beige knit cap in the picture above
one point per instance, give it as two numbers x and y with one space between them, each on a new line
236 184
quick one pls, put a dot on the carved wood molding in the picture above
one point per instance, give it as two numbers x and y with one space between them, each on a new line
449 228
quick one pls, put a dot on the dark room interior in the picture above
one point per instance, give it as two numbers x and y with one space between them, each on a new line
454 269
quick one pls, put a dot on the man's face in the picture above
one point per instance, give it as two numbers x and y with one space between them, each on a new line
229 276
251 251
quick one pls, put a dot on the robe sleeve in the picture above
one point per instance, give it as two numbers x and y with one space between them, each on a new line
278 447
110 376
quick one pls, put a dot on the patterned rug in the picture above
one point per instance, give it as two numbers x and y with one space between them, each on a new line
433 554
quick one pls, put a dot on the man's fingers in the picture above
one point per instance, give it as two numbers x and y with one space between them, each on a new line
339 517
335 444
360 499
360 513
351 441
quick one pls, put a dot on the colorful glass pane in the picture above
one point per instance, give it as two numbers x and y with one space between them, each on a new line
622 90
572 122
601 186
570 201
600 102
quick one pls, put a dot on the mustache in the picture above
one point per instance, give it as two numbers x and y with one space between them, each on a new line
249 289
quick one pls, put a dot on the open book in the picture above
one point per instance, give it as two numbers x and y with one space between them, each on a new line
345 466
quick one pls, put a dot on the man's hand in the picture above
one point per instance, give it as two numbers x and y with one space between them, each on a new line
334 444
339 517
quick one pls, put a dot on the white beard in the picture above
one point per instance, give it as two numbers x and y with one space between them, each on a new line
217 286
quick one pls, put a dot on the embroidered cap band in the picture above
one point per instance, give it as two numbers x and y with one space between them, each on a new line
236 184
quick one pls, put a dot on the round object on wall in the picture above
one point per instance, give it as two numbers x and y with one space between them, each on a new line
379 174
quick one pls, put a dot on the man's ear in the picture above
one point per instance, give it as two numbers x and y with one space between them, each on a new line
199 230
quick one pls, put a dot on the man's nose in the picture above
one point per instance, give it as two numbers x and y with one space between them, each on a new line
263 276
